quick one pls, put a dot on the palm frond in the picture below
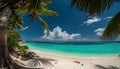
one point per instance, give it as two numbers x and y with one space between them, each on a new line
93 7
45 11
45 2
15 21
44 24
23 9
18 25
37 8
113 28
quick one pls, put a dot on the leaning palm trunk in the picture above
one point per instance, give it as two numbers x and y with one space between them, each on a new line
5 59
4 54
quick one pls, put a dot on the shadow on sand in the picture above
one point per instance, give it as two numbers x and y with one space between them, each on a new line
103 67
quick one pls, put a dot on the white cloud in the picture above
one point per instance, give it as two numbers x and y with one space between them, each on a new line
109 17
92 20
99 31
58 34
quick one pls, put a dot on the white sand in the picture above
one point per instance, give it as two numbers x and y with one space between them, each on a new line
63 62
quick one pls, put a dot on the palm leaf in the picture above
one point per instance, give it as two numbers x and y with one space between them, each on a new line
18 25
93 7
44 24
37 8
45 2
113 28
15 21
45 11
23 9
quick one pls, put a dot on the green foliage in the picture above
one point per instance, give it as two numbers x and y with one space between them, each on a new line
113 28
15 21
23 49
44 24
45 11
12 41
23 7
93 7
37 8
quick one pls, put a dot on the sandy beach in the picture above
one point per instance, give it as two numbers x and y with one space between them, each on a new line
64 62
81 62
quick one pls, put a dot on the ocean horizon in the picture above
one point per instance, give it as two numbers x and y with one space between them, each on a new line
76 48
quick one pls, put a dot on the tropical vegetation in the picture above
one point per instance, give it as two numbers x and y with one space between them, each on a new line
11 11
12 42
10 19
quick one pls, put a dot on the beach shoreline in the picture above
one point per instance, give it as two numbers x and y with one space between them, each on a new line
63 62
74 61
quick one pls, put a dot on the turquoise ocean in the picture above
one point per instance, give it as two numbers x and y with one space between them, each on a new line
77 48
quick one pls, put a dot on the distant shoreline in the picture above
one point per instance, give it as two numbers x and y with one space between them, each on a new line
75 42
67 41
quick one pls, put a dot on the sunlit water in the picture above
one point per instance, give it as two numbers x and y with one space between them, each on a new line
77 48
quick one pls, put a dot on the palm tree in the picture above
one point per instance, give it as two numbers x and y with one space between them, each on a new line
36 8
97 7
15 21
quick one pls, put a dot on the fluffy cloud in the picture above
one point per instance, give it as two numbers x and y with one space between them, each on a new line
99 31
92 20
58 34
109 17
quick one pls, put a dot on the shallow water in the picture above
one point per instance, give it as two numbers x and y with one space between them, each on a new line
77 48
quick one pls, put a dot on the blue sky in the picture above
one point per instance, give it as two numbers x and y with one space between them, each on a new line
71 24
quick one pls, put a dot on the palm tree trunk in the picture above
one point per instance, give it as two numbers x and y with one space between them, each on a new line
3 50
6 62
4 54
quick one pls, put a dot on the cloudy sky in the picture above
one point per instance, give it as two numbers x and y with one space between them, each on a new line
71 24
